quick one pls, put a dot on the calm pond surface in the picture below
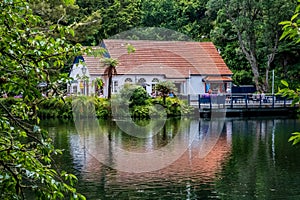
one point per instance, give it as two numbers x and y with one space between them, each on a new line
181 158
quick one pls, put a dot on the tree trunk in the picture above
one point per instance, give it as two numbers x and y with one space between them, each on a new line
271 57
251 57
254 67
109 87
266 86
285 66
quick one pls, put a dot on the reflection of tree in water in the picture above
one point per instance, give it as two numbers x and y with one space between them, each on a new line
158 139
259 164
171 128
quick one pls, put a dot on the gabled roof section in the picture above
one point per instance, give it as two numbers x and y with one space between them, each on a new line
174 59
78 59
106 54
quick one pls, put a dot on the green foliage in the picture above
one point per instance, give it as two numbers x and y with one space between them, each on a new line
31 52
187 17
10 102
81 106
165 87
291 31
91 20
136 98
152 33
111 17
139 102
173 106
295 138
94 20
243 77
142 106
69 13
99 82
135 94
290 93
233 57
291 27
55 108
295 95
102 106
140 112
139 97
292 74
84 106
253 25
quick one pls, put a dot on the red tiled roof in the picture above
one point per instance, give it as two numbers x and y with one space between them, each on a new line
174 59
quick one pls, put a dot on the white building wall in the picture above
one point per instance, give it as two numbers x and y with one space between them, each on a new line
192 86
121 79
77 75
196 86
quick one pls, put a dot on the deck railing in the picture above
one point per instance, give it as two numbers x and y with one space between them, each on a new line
241 100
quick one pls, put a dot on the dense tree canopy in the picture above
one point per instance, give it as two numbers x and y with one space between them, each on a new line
92 20
187 17
255 27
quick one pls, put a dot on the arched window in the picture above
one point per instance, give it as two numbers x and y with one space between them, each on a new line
141 80
128 80
155 80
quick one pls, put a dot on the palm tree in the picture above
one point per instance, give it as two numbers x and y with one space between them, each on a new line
110 70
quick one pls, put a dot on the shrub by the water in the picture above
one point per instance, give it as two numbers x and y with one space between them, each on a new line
81 106
140 105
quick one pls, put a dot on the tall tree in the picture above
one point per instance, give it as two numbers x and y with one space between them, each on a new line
28 53
110 70
256 29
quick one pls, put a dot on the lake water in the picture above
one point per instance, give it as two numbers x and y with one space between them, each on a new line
180 158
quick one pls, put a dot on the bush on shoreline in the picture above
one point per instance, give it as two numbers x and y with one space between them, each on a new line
86 106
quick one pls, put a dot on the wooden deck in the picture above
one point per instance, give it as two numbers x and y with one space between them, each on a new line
243 105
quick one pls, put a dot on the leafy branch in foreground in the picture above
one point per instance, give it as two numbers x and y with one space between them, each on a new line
295 138
291 31
291 27
30 55
295 95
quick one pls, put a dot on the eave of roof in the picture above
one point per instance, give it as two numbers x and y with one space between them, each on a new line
217 79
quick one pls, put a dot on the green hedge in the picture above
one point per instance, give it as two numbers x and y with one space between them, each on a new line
74 106
85 106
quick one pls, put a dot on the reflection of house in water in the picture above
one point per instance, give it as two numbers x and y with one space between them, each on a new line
208 147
